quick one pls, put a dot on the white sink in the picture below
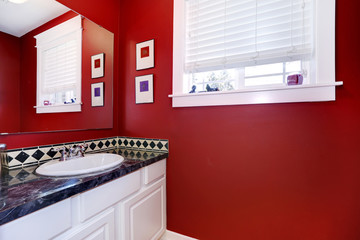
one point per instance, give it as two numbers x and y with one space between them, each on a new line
89 164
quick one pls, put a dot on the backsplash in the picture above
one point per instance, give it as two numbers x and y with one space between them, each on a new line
23 157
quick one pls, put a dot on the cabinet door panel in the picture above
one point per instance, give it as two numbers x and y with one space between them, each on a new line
101 227
145 214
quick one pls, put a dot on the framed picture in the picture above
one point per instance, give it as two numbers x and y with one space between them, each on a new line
145 55
144 90
97 65
97 94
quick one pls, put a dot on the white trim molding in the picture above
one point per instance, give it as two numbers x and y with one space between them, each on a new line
73 107
298 93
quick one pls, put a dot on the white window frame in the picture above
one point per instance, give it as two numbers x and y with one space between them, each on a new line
322 89
55 36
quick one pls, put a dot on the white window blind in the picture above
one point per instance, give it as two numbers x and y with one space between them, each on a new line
59 51
223 34
60 70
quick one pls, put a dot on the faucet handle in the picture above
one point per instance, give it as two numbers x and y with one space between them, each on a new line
77 150
57 149
82 149
63 151
73 151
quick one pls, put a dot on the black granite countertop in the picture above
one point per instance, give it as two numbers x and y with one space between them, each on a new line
23 192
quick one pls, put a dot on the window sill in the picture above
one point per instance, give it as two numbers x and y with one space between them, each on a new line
74 107
296 93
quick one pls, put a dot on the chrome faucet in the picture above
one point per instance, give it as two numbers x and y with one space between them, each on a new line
77 151
63 152
74 151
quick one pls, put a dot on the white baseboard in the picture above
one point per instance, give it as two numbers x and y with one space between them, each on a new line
169 235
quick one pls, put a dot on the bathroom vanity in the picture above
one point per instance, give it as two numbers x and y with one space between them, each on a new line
128 202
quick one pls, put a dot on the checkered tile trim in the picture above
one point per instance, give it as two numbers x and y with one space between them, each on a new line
143 143
19 158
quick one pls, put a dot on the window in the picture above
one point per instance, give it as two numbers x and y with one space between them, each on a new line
247 48
59 68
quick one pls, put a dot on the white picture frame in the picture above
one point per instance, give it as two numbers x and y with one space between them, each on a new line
97 94
144 89
97 65
145 55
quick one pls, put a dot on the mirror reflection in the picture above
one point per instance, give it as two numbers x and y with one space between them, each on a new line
19 72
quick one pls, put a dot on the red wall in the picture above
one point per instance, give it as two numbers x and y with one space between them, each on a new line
276 171
9 83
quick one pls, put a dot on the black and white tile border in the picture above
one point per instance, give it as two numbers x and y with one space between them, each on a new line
143 143
23 157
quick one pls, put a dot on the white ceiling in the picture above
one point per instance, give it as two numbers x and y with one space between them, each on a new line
19 19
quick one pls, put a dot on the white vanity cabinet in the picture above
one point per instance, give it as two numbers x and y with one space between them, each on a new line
143 215
132 207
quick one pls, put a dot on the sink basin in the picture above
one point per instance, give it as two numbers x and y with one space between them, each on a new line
84 165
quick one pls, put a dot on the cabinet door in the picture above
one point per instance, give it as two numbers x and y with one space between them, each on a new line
100 227
96 200
144 214
43 224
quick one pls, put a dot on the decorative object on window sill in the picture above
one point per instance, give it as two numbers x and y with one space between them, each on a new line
144 89
193 89
97 65
145 55
295 79
73 100
97 94
210 89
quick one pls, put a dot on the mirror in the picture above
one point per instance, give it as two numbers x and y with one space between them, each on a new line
18 70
